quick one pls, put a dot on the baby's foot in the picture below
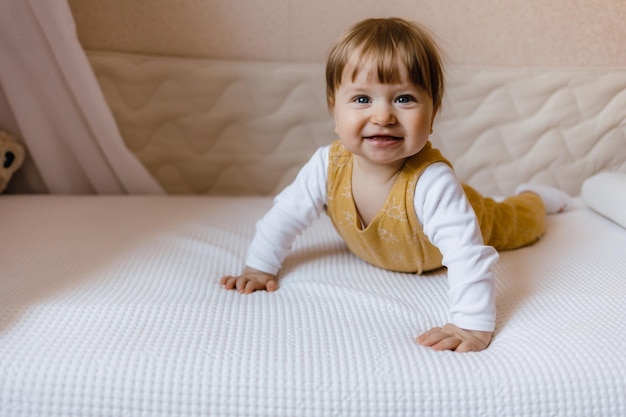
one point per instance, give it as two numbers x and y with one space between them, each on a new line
554 200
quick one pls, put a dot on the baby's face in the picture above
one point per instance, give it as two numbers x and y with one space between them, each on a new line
381 123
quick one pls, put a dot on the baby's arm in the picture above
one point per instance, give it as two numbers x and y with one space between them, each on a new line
450 223
294 209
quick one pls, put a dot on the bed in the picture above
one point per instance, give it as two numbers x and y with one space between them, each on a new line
110 305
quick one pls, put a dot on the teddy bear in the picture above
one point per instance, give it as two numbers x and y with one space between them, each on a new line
11 156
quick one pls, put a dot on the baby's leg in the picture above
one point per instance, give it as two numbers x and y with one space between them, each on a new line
515 222
554 200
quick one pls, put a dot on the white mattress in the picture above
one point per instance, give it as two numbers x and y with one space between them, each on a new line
110 306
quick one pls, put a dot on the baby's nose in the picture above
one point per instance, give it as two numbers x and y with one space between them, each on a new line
383 115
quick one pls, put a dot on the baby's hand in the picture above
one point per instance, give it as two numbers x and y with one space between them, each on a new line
451 337
250 280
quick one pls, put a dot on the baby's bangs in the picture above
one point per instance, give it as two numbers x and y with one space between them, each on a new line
390 57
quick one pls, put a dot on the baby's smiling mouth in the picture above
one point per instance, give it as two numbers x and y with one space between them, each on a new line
382 138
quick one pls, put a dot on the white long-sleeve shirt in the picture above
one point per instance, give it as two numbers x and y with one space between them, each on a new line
446 217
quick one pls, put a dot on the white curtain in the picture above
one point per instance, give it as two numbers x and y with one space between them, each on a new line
58 106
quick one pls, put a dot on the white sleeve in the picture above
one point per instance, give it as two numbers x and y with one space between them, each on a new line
451 225
294 209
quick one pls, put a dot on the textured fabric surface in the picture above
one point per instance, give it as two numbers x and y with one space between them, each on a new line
112 306
236 127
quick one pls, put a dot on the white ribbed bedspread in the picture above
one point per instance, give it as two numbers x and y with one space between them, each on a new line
111 306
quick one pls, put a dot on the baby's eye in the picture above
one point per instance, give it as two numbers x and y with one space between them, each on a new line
362 99
404 99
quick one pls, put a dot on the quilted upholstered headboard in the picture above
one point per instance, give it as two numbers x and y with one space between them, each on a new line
239 127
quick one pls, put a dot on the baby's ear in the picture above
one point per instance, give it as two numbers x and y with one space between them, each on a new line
432 120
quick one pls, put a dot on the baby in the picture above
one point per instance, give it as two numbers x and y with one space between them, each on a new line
393 198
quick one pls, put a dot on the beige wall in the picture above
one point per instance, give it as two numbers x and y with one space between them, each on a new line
473 32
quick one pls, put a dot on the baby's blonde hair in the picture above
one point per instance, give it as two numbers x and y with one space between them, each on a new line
388 42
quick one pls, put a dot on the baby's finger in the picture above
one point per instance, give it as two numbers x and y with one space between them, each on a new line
449 343
228 282
470 346
251 286
271 285
432 337
241 284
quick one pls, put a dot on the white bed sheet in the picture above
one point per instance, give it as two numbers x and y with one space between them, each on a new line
111 306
